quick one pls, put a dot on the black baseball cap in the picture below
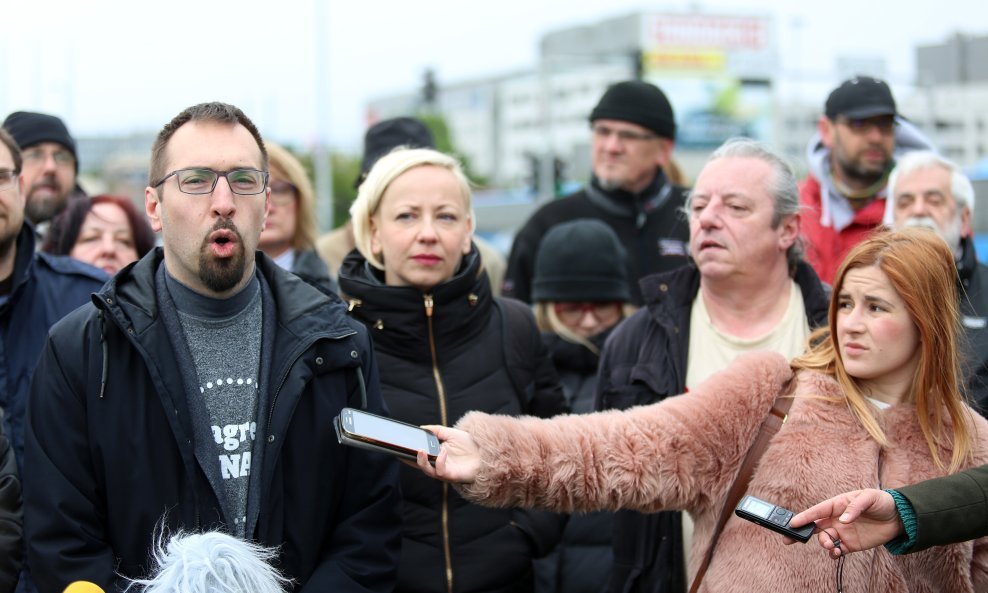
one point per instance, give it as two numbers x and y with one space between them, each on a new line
859 98
385 136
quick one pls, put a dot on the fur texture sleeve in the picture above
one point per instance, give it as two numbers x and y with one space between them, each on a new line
681 453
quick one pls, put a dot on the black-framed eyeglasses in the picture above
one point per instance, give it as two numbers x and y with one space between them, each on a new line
200 181
8 178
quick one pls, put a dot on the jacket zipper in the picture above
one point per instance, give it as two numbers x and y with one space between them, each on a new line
429 305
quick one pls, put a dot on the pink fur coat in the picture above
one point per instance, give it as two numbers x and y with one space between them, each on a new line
685 452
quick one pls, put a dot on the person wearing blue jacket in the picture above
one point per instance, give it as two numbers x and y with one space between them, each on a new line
198 393
36 290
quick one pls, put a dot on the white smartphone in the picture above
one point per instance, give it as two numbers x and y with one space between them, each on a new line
357 428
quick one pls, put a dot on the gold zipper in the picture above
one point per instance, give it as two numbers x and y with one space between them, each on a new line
429 306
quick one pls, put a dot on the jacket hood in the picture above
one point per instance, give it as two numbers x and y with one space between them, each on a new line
835 210
130 295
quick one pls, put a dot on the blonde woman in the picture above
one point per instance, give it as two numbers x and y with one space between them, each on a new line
445 346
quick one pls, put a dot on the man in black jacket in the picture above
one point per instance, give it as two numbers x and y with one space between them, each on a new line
198 393
928 190
11 518
634 134
746 289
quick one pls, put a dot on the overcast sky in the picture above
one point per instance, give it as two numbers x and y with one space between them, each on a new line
117 66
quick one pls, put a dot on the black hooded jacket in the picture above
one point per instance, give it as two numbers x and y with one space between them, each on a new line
582 561
11 518
110 445
441 355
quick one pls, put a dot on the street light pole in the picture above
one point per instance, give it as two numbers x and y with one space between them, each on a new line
321 156
546 162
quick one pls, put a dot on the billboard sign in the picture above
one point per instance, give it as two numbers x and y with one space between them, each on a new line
716 71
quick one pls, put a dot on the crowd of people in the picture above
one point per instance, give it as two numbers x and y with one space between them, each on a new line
600 394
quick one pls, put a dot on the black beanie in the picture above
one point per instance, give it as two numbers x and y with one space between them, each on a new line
639 103
29 128
581 260
385 136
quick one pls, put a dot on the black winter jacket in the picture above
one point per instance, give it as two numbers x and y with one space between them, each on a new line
11 518
582 561
109 444
651 226
973 287
442 355
644 361
45 288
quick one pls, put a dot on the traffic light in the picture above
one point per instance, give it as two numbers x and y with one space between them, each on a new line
430 89
532 179
558 175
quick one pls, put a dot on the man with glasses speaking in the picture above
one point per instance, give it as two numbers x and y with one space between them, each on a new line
634 133
198 393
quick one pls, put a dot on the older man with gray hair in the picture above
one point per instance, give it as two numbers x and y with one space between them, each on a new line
747 288
927 190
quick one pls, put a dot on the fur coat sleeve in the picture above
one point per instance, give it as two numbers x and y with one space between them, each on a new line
678 454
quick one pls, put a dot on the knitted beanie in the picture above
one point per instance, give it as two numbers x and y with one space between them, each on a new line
581 260
639 103
29 128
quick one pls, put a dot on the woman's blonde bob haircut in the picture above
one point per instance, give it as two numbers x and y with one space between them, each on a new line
294 172
921 269
387 169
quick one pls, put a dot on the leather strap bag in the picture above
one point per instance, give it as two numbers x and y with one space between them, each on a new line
773 422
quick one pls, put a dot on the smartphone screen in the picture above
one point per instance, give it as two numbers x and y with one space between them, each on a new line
372 428
757 507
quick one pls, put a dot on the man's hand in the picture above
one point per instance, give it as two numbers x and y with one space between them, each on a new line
859 520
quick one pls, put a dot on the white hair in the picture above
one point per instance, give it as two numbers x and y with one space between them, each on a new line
211 562
960 185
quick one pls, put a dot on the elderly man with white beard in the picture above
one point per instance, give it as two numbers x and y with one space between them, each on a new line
928 190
